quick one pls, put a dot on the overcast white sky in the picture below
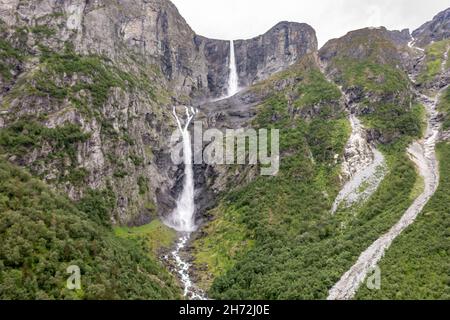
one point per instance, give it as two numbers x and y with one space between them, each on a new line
242 19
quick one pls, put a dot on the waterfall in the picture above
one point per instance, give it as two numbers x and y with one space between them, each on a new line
182 218
233 80
411 44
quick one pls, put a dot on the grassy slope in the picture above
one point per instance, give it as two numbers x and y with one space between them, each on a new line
434 58
155 235
9 56
367 63
300 250
297 250
444 107
42 233
417 264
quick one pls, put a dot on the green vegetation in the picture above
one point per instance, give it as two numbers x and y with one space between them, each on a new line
43 31
300 250
295 248
137 160
86 81
416 266
393 121
101 77
434 59
42 233
384 90
315 89
120 173
9 57
77 177
270 238
268 211
224 239
374 45
51 16
25 135
373 77
444 106
98 204
155 235
143 185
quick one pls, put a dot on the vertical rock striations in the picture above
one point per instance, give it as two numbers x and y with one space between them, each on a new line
109 72
280 47
434 30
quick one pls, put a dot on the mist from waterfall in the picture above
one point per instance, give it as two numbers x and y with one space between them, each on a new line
182 218
233 79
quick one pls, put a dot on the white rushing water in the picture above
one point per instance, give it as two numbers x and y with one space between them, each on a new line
233 79
423 154
411 44
182 218
190 290
364 166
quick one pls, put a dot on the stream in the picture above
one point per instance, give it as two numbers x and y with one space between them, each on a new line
363 164
191 292
422 153
363 168
182 219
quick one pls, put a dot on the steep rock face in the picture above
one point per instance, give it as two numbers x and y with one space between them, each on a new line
240 111
152 29
370 64
378 44
400 38
434 30
431 70
98 71
217 55
92 84
193 65
273 51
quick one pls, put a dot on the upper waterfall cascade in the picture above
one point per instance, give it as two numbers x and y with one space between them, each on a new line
233 80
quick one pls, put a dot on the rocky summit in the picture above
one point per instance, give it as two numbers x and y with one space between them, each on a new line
91 93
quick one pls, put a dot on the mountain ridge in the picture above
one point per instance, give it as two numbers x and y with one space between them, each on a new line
87 90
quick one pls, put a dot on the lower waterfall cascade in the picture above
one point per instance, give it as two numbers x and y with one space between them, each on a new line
182 219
